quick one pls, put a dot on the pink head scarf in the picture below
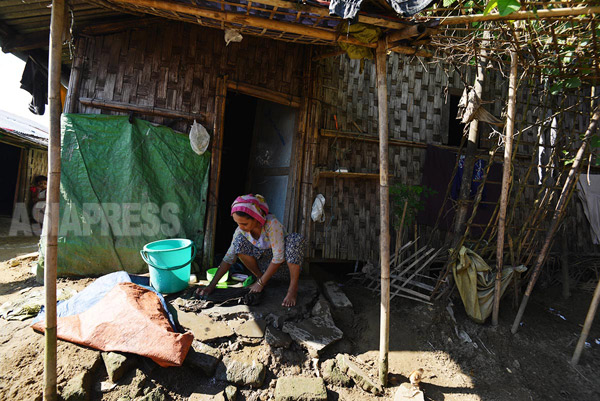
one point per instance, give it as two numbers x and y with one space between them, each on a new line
253 205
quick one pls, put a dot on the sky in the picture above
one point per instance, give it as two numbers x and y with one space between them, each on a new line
12 98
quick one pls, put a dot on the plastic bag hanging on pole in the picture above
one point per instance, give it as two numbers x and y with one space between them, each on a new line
199 138
317 214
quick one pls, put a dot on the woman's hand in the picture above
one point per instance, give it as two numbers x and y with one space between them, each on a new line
202 292
256 287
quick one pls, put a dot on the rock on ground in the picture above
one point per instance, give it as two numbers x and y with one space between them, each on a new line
207 397
231 393
276 338
333 375
360 377
116 365
203 357
78 387
317 332
203 327
407 392
242 372
343 311
248 328
296 388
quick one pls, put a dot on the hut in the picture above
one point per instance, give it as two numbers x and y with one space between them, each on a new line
24 156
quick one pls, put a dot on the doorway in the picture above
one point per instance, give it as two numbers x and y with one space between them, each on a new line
10 157
258 141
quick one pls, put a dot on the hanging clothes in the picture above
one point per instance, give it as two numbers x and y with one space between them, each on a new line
347 9
35 81
590 199
476 180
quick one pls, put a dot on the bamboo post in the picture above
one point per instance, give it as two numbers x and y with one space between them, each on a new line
384 236
465 185
589 319
52 199
556 218
506 174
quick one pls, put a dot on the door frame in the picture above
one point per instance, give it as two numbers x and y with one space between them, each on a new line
293 191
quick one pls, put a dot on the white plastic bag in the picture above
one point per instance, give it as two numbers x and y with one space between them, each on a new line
317 213
232 35
199 138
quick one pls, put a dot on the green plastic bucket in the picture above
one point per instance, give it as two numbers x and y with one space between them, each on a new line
169 262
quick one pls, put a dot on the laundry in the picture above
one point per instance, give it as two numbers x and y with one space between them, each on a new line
35 81
589 193
348 9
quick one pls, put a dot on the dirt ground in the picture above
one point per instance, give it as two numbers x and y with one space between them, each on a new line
496 365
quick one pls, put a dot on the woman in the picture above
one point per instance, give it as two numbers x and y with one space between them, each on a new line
262 245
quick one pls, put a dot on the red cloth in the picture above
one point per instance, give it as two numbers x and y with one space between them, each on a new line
131 319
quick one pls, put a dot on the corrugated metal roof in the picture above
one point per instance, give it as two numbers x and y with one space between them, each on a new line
22 129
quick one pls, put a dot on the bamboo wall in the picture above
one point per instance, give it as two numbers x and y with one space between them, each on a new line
175 66
418 113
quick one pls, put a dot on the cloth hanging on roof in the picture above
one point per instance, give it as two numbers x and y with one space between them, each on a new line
590 199
475 182
35 81
347 9
362 32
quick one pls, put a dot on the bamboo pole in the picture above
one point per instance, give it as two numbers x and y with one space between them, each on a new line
160 7
51 217
506 174
521 15
465 186
384 235
147 110
557 217
589 319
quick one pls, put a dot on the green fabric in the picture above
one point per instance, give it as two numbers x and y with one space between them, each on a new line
124 185
362 32
475 281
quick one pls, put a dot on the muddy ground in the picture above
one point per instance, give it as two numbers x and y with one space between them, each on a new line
496 365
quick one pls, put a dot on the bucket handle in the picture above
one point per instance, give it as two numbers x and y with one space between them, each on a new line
144 255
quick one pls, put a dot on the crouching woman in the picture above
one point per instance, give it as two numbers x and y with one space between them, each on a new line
261 243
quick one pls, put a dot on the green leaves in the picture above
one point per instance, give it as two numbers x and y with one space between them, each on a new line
570 83
448 2
504 7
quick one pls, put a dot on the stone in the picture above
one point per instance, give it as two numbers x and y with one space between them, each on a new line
360 377
277 338
317 332
297 388
342 309
248 328
203 327
116 364
78 387
207 397
230 393
407 392
333 375
242 372
138 382
203 357
155 395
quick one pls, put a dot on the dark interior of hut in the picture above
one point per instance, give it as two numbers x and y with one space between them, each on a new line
9 165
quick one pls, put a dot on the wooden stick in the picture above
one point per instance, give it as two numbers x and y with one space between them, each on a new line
264 93
520 15
589 319
557 217
465 186
506 174
384 196
159 7
148 110
51 217
406 33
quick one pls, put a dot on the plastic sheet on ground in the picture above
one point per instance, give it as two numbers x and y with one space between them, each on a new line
127 318
475 281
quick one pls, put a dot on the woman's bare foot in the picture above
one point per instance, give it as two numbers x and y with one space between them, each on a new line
290 299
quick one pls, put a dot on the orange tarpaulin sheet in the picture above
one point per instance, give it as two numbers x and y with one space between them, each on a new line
131 319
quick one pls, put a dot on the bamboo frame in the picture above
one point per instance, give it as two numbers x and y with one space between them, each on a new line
133 108
384 236
152 6
51 217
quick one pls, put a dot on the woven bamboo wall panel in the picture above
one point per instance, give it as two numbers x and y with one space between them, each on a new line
419 112
175 66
